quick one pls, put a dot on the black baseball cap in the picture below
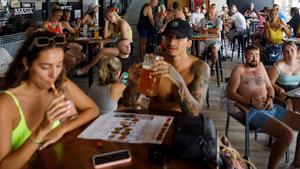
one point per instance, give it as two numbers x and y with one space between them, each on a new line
180 28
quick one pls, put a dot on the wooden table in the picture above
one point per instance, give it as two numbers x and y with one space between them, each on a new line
204 37
292 94
73 153
89 43
295 98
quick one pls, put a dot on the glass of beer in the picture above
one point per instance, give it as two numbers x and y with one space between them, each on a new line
205 29
148 83
76 34
96 33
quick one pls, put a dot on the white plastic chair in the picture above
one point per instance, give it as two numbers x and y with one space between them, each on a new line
5 60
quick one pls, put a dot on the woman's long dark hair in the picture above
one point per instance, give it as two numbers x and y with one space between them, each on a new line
17 71
92 13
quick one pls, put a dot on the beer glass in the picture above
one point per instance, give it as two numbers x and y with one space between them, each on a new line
205 29
148 83
76 33
96 33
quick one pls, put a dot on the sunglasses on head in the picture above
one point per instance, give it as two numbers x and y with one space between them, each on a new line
46 41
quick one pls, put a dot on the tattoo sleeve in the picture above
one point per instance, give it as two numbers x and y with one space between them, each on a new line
192 97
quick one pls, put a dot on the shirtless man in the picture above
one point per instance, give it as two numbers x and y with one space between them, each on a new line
183 77
250 85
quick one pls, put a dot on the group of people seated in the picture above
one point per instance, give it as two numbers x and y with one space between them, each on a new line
270 23
201 20
255 88
270 28
44 104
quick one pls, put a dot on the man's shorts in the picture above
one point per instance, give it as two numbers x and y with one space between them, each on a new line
232 33
144 33
202 45
258 118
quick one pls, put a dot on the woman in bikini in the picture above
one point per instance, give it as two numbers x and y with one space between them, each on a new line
36 109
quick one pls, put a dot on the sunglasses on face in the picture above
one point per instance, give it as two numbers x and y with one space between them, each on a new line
46 41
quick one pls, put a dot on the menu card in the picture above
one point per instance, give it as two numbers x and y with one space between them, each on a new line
129 128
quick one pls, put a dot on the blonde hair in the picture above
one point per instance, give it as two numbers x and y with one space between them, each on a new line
115 13
115 29
108 70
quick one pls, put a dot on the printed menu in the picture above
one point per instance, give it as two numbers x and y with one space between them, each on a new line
129 128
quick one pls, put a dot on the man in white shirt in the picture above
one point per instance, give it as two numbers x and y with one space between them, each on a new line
239 22
196 17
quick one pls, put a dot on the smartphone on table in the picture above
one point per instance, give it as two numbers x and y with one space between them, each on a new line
111 159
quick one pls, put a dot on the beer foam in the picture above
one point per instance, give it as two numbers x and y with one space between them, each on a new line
147 67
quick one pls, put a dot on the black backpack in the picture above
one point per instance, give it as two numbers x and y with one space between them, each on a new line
195 139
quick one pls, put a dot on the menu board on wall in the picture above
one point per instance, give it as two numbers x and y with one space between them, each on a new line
38 5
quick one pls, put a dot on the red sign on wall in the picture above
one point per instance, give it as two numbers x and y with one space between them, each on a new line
198 2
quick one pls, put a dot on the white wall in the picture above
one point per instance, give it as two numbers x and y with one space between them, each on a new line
219 4
86 3
85 6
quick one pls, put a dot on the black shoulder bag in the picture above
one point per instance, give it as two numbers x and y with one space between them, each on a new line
195 139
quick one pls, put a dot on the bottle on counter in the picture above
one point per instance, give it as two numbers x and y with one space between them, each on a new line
85 30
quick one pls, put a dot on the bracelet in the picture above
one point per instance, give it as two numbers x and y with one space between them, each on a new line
39 143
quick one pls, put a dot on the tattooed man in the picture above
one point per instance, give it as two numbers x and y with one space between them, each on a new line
183 77
249 85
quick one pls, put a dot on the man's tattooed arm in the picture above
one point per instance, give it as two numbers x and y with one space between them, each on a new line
192 97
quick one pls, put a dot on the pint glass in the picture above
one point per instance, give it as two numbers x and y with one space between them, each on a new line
76 34
96 35
148 83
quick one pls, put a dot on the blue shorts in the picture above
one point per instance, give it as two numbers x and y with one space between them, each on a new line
144 33
258 118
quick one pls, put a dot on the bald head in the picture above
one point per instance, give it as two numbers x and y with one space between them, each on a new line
153 3
124 46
